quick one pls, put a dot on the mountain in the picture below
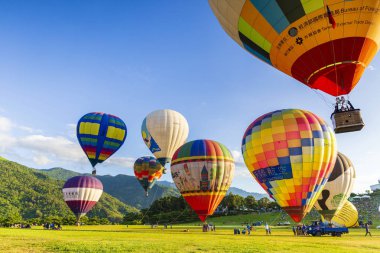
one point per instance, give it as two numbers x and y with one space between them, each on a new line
167 184
59 173
125 188
233 190
26 193
244 194
129 191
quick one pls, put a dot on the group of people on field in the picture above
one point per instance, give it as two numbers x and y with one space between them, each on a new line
208 227
52 226
299 230
248 229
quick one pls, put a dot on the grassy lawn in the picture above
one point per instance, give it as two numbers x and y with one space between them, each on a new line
145 239
270 218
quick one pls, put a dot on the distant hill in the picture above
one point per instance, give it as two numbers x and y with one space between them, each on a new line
59 173
167 184
245 194
233 190
27 193
125 188
129 191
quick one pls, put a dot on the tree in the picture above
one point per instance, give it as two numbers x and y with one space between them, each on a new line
233 202
263 203
250 202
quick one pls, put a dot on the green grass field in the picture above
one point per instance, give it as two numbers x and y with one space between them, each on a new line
144 239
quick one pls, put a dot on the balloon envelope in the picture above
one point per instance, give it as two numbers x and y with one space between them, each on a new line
100 135
347 216
203 170
337 189
164 131
290 153
325 44
147 171
81 193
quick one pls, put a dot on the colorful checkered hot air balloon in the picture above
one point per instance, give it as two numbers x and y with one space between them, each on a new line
203 171
100 136
325 44
147 171
163 131
337 189
291 154
81 193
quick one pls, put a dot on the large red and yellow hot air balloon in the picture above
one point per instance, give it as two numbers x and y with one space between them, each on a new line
147 171
203 170
325 44
291 154
100 136
81 193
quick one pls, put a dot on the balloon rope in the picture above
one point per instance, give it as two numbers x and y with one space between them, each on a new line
146 200
328 103
276 218
175 219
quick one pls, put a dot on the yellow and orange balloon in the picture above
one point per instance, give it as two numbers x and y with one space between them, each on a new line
325 44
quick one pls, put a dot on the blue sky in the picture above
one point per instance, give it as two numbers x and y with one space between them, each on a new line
62 59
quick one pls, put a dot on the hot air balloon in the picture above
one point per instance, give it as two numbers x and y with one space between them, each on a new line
203 170
325 45
164 131
81 193
290 153
147 171
100 136
348 216
337 189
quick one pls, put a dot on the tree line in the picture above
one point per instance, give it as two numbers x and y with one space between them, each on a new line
172 209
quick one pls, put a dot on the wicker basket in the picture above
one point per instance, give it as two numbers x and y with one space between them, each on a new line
349 121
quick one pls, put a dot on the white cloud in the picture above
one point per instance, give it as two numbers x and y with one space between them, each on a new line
41 159
59 147
28 129
371 67
6 141
17 140
126 162
5 124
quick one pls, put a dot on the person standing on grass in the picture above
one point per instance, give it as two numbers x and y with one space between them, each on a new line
367 230
266 229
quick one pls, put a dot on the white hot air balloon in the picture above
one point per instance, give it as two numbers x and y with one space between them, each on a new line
337 189
164 131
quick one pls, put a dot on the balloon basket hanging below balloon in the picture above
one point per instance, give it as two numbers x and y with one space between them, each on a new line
93 171
347 121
